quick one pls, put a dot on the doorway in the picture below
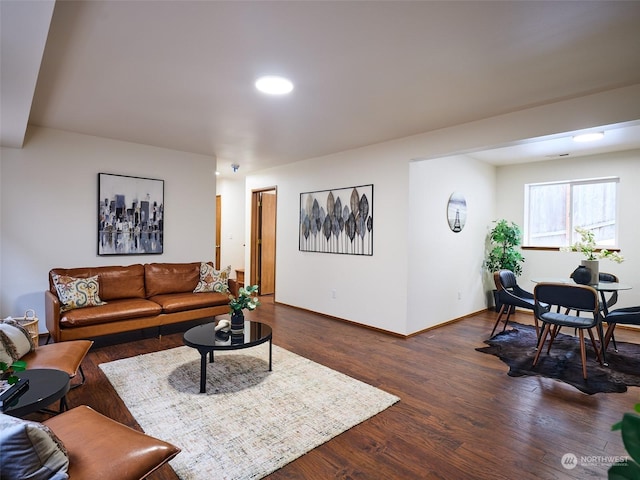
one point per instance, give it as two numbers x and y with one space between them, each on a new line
263 240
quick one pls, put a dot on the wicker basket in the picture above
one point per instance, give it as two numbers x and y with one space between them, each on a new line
30 322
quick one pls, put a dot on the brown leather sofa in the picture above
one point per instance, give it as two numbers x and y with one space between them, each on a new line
137 296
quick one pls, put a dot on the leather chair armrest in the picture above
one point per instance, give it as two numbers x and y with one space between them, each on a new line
52 314
102 449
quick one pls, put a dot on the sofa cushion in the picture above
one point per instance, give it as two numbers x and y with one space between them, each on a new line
115 281
212 280
122 282
14 343
163 278
179 302
114 311
31 450
77 292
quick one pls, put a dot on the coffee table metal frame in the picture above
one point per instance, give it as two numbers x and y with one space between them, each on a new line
202 338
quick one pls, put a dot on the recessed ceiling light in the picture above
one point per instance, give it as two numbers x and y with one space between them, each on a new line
588 137
274 85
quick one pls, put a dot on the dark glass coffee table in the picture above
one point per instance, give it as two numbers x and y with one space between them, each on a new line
46 386
203 339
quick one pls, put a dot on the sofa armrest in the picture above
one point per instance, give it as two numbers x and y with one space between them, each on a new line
52 314
233 287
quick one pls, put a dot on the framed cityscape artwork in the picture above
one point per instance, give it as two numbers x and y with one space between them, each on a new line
130 215
337 221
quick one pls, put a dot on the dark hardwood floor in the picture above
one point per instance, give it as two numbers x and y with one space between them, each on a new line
460 416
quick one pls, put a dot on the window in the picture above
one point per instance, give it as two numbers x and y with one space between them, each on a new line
554 210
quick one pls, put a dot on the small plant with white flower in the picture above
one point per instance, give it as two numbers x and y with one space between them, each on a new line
587 246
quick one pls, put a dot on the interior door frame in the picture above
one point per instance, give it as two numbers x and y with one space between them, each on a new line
255 228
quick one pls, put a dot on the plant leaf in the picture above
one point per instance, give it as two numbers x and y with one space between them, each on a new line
631 435
624 471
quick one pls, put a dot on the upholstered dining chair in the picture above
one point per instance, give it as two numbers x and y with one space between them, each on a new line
607 303
581 298
625 316
511 295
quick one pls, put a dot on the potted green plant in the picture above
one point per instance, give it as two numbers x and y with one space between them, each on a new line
629 427
503 253
504 238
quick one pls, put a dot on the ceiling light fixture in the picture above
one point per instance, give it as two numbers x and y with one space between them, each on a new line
235 167
274 85
588 137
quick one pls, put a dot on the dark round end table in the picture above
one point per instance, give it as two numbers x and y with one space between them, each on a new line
203 339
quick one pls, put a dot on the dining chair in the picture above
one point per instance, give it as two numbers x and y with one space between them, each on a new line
511 295
607 303
625 316
582 299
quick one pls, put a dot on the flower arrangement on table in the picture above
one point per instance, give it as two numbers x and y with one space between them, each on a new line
587 246
247 298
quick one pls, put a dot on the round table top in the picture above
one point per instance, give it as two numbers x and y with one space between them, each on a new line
45 387
203 336
602 286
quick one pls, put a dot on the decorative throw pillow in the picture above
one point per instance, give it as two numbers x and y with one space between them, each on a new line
31 450
77 292
212 280
14 343
25 332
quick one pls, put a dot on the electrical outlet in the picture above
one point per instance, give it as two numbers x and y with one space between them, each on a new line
333 293
459 296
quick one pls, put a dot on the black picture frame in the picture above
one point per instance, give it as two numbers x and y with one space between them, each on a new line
338 220
130 215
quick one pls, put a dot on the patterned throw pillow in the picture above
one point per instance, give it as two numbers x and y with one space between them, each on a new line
77 292
212 280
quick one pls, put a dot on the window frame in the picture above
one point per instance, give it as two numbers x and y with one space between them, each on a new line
570 226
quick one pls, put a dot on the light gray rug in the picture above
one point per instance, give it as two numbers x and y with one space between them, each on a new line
250 422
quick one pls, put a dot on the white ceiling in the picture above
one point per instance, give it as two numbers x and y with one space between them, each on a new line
179 74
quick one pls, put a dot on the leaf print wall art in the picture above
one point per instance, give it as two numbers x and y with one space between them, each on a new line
337 221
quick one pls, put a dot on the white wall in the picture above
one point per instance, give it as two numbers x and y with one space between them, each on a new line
540 264
445 268
49 200
369 289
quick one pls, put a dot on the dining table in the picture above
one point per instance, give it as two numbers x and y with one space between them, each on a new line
602 287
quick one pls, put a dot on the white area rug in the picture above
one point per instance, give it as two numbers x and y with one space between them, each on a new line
251 421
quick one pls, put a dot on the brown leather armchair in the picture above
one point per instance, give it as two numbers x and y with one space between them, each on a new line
100 448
